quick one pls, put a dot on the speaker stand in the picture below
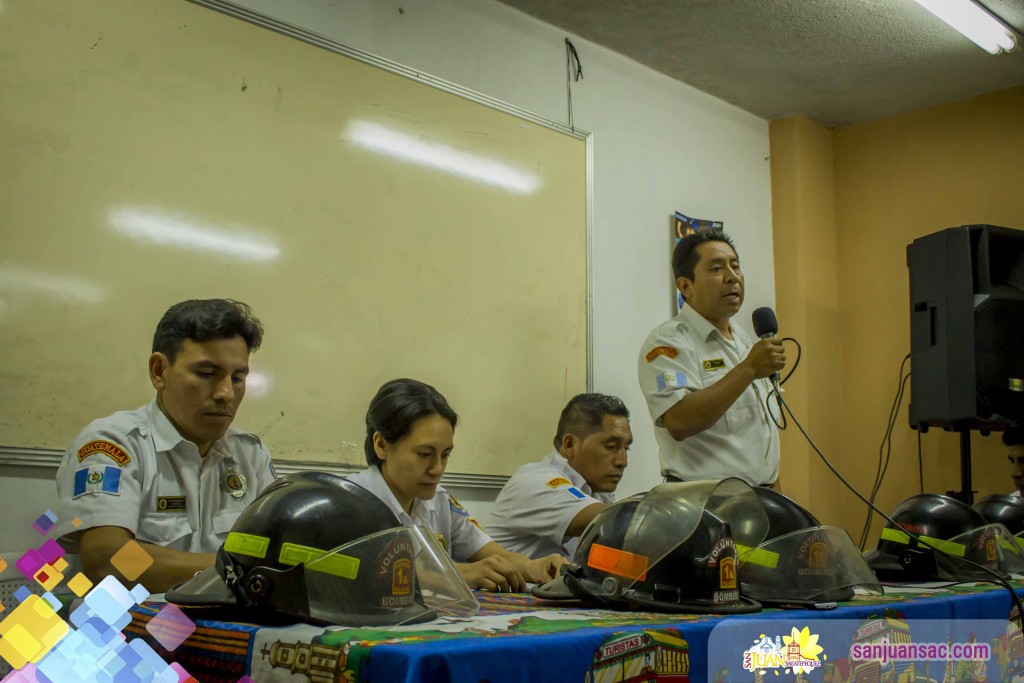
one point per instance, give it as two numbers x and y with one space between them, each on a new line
966 493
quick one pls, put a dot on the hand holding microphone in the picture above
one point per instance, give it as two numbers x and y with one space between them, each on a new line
767 356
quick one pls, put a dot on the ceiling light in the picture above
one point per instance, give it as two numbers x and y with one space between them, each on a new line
15 278
168 228
415 149
975 22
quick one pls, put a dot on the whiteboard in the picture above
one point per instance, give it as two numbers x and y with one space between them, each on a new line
379 227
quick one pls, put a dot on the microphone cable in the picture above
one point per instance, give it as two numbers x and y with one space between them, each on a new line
781 426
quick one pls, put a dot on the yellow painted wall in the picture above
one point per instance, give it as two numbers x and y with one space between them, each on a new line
845 205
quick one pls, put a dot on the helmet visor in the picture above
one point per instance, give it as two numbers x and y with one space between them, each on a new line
819 564
666 517
992 546
393 577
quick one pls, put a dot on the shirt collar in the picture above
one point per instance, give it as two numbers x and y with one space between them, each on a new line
379 487
702 325
558 460
166 436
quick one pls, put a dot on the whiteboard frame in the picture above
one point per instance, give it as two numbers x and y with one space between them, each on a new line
49 458
321 41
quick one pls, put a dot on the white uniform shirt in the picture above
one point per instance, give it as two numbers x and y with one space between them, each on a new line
686 354
537 504
450 523
134 470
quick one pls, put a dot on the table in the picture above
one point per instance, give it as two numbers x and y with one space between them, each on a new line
569 642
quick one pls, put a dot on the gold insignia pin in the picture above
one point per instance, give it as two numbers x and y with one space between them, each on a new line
233 482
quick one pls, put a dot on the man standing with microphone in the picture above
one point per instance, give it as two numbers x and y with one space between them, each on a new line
706 381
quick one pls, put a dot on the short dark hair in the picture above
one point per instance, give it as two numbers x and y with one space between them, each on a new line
687 252
202 320
1014 436
584 414
397 405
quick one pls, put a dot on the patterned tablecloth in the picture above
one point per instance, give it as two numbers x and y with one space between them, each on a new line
556 642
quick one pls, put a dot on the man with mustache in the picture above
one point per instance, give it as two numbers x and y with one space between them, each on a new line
172 475
705 379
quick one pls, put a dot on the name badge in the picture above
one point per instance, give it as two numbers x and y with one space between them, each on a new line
714 364
171 504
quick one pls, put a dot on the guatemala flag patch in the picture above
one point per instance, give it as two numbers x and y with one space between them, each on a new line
671 380
98 479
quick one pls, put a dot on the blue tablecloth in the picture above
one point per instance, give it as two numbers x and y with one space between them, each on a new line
558 642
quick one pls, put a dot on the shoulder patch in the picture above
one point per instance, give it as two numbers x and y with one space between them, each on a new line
661 351
559 481
671 380
477 525
456 507
576 493
714 364
97 479
111 450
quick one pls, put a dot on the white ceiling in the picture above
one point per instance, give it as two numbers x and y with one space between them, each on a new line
835 61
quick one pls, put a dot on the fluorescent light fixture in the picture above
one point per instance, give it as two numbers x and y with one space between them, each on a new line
15 278
407 147
163 228
973 21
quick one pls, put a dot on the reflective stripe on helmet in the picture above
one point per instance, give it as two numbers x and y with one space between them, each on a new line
337 564
763 558
618 562
247 544
948 547
895 535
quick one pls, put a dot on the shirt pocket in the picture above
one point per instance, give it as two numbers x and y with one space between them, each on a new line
707 379
164 529
224 520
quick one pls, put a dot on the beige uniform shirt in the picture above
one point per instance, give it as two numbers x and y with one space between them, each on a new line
450 523
134 470
537 504
686 354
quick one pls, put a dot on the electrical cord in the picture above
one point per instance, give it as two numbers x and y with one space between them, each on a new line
885 449
781 426
571 56
997 578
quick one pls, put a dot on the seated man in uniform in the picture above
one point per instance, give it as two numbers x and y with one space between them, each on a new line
546 505
172 475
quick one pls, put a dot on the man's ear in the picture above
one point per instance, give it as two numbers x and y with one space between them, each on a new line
569 444
158 368
685 286
380 446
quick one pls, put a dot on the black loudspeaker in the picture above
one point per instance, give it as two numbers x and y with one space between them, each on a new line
967 328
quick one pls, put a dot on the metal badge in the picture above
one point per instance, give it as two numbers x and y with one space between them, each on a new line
233 482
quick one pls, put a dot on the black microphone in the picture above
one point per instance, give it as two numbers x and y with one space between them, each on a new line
766 327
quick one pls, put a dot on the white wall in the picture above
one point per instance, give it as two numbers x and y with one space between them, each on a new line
659 146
